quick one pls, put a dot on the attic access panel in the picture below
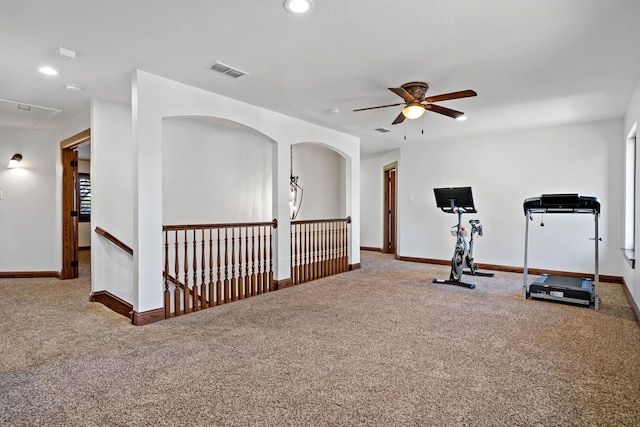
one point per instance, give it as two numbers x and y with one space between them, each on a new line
20 114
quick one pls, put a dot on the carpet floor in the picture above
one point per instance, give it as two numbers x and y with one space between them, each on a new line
379 346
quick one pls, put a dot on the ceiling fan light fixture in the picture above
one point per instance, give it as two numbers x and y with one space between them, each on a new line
298 6
413 110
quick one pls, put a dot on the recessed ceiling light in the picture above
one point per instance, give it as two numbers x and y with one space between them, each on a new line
461 118
298 6
48 71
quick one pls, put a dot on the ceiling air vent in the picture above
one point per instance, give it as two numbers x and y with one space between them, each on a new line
383 130
226 70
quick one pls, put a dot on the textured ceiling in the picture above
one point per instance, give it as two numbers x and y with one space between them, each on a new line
533 63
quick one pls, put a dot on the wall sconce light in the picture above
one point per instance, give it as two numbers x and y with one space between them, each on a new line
15 161
295 197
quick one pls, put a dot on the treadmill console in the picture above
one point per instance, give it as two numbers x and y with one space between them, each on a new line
562 203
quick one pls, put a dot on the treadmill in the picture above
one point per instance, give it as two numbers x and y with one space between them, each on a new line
572 290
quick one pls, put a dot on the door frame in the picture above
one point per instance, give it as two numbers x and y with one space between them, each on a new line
390 208
69 164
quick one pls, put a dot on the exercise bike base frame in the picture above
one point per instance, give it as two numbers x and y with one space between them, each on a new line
478 273
454 282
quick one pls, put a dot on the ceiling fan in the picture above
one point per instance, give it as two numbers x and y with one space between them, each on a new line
416 103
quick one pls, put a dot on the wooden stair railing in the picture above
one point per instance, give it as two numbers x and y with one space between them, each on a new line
114 240
105 297
206 265
319 248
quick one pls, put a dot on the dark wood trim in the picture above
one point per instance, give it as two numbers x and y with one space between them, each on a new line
84 248
284 283
75 140
119 243
511 269
390 198
69 231
27 274
423 260
322 221
370 248
113 302
355 266
273 223
146 317
632 303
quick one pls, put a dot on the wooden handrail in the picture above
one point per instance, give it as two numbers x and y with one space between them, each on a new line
114 240
321 221
273 223
173 280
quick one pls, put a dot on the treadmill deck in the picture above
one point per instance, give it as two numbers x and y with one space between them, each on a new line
572 290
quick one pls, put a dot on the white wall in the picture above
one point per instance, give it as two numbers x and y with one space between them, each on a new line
29 237
504 169
156 98
112 197
214 171
371 200
372 197
631 276
321 173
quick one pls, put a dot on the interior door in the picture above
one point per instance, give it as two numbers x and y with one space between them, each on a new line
390 207
69 214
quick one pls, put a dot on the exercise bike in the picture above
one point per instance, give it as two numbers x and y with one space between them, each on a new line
460 201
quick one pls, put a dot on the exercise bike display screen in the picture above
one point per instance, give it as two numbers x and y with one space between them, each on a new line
454 197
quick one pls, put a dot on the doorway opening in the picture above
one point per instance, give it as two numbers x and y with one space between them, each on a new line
390 207
71 203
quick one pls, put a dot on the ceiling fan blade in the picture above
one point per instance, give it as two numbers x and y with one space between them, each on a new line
443 110
398 119
452 95
402 93
381 106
